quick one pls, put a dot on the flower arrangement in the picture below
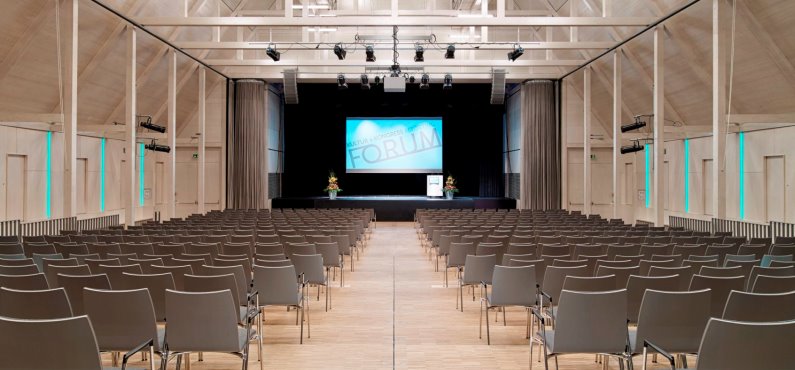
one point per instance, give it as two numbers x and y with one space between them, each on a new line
449 185
332 187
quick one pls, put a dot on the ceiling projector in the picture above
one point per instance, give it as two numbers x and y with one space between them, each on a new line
394 84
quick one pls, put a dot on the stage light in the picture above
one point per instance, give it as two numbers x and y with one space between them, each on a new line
341 84
151 126
635 147
365 82
377 80
271 51
339 51
370 53
450 53
412 79
425 82
633 126
516 53
419 53
153 146
448 82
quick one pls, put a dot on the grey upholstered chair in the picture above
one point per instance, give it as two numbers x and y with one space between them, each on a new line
74 284
19 270
36 281
743 306
638 285
735 345
457 258
177 273
310 267
602 283
34 304
676 320
332 259
157 284
52 271
66 343
278 286
206 322
587 322
772 284
478 270
720 287
622 274
511 286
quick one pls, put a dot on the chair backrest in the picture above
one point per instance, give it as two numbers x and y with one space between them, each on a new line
621 274
782 249
74 285
685 274
52 272
238 248
211 283
479 269
512 286
304 249
14 248
734 345
459 253
36 281
554 276
19 270
330 253
38 259
745 306
242 280
772 284
34 304
591 322
122 319
66 343
269 248
124 258
177 273
722 271
769 271
673 320
114 272
637 286
277 285
311 266
540 267
721 287
33 249
614 263
155 283
15 260
590 284
202 321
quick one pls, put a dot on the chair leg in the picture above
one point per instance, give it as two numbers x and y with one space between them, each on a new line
503 317
179 362
301 341
488 329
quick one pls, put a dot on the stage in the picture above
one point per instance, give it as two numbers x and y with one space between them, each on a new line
394 208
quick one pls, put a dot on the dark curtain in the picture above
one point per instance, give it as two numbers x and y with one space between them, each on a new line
247 143
541 146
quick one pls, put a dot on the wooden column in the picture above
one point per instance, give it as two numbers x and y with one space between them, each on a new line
171 134
70 52
202 139
719 37
617 100
130 121
659 127
586 140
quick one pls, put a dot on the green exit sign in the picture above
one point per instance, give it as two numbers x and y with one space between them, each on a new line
195 155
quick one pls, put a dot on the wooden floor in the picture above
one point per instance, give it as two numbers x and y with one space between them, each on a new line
393 313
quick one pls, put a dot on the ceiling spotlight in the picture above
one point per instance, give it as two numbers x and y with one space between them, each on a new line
340 51
147 124
419 53
377 80
412 79
450 53
448 82
425 82
271 51
635 147
341 84
634 125
370 53
365 83
153 146
518 50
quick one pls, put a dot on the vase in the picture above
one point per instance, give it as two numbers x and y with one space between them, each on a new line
332 195
448 194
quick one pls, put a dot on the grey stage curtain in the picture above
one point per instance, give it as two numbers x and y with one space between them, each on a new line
247 147
541 146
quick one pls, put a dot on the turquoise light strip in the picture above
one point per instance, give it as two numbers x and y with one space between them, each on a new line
102 175
48 178
141 174
686 160
646 152
741 173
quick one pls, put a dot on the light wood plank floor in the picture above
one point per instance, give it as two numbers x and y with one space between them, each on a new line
393 313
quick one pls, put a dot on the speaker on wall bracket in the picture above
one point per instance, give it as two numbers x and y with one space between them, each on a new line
291 86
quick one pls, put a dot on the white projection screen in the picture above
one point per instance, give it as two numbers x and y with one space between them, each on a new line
393 145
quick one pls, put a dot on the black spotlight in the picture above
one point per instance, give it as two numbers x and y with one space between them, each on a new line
365 83
634 125
377 80
157 147
151 126
340 51
516 53
275 55
370 53
412 79
450 53
341 84
635 147
419 53
425 82
448 82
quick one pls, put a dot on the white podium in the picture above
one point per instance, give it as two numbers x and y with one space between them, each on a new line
435 185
